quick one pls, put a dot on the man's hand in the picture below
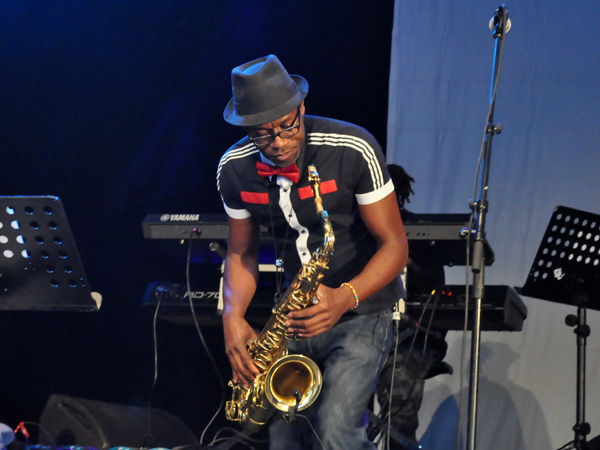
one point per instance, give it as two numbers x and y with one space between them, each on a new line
237 334
317 319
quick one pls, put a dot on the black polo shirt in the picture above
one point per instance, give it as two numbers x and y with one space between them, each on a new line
352 170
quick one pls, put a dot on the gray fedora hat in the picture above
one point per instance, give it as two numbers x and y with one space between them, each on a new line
263 91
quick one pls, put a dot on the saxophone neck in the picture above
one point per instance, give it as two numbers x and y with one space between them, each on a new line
315 181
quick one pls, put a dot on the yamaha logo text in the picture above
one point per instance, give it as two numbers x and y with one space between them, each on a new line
180 218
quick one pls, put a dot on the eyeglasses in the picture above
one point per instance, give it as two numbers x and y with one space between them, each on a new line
286 133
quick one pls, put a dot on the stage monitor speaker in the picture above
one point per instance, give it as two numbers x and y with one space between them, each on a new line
101 425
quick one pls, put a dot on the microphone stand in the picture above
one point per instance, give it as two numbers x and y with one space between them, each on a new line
499 25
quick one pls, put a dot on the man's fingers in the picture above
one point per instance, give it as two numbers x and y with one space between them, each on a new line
309 327
243 367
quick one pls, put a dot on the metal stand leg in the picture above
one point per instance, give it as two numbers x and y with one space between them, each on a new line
581 427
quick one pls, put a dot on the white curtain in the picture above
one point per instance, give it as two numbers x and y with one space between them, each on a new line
548 154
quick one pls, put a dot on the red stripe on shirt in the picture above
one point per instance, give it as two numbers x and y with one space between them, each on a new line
325 188
261 198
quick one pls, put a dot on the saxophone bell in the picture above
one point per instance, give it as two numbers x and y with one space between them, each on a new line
289 376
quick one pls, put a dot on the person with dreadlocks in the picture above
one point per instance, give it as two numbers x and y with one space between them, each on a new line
418 355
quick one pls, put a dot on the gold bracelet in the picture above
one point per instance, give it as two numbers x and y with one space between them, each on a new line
353 293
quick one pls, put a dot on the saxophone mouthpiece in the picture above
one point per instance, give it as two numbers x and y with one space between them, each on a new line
313 175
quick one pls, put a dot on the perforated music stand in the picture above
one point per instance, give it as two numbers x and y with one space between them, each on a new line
566 270
40 268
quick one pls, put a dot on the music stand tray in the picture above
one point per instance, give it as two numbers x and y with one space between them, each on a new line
40 267
566 268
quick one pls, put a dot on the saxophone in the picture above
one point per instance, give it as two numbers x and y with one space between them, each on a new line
286 382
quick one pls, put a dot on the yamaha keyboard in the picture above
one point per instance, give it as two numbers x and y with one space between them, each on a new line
438 239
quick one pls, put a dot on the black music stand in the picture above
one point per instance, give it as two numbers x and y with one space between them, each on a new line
40 268
566 270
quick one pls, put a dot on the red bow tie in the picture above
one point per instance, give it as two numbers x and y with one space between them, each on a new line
290 172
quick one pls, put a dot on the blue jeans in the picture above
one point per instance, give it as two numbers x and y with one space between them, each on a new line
351 356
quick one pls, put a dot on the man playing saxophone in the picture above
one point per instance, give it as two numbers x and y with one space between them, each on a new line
263 180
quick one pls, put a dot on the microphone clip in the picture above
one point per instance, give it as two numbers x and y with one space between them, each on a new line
290 417
500 24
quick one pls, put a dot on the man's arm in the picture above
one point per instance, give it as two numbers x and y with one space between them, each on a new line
383 221
239 285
